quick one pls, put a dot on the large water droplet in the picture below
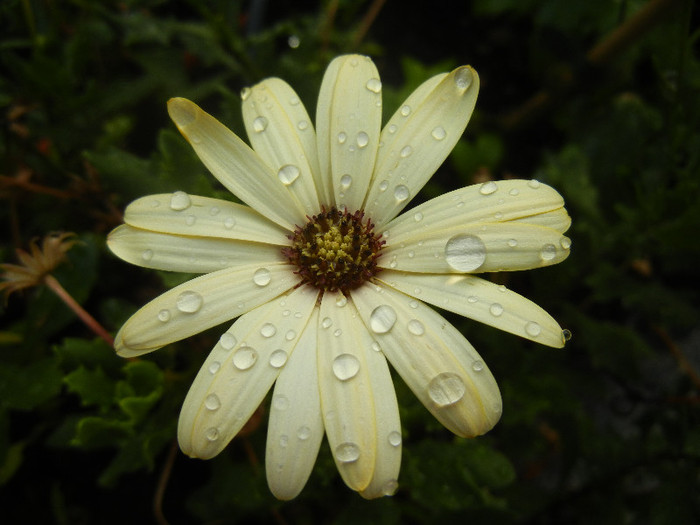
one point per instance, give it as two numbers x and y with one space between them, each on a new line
345 181
549 252
496 309
180 201
288 174
401 193
259 124
212 402
245 357
416 327
478 365
405 110
566 335
164 315
212 434
395 438
346 366
189 302
438 133
227 340
347 452
382 319
487 188
262 277
533 329
362 139
446 389
463 77
465 252
268 330
374 85
278 358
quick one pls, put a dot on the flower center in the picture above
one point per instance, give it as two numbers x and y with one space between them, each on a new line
335 250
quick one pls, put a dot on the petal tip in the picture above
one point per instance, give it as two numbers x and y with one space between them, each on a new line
182 111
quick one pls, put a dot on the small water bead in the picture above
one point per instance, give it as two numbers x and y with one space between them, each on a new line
245 357
390 487
393 128
413 304
472 299
345 366
362 139
341 301
394 438
463 78
512 243
418 216
478 366
214 210
280 402
190 220
262 277
245 93
376 346
227 341
288 174
566 335
338 332
291 334
446 389
374 85
278 358
383 185
229 223
465 252
345 181
549 252
382 319
534 184
189 302
488 188
268 330
326 322
401 193
212 434
405 110
303 125
438 133
212 402
411 254
259 124
304 433
496 309
416 327
180 201
342 137
214 367
565 243
405 152
164 316
347 452
147 255
533 329
284 440
514 192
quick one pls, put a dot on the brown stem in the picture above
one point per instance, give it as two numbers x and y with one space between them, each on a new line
367 22
679 356
85 317
162 485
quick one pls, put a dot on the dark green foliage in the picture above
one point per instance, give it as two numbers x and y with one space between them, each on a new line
604 431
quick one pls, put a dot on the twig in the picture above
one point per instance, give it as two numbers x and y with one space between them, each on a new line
162 485
367 22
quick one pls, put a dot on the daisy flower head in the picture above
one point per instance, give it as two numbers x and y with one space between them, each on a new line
327 283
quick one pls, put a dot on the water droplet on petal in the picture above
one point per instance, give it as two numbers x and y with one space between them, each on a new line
190 220
514 192
478 366
212 434
382 319
284 440
164 315
374 85
438 133
416 327
465 253
303 124
291 334
280 402
565 243
463 77
549 252
245 357
401 193
259 124
180 201
338 332
496 309
268 330
405 152
341 301
472 299
345 181
405 110
212 402
393 128
214 367
534 184
227 340
214 211
418 216
383 185
262 277
345 366
446 389
304 433
395 438
326 322
245 93
390 487
288 174
347 452
487 188
566 335
229 223
512 243
376 346
342 137
533 329
362 139
189 302
147 255
278 358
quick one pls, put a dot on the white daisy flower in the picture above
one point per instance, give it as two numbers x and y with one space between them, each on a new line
328 282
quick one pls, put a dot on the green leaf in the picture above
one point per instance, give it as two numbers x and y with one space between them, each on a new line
28 386
93 386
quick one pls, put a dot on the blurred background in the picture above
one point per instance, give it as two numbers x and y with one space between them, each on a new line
599 98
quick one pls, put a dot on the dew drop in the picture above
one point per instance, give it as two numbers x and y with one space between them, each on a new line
393 128
438 133
227 341
401 193
341 301
418 216
390 487
514 192
245 93
478 365
259 124
446 389
405 152
534 184
566 335
347 452
382 319
533 329
280 402
565 243
338 332
303 124
288 174
416 327
472 299
278 358
374 85
147 255
405 110
262 277
376 346
214 367
342 137
487 188
512 243
326 322
291 334
294 101
190 220
164 315
465 252
268 330
304 433
189 302
394 438
212 402
362 139
212 434
229 223
345 181
383 185
214 211
463 77
345 366
549 252
496 309
180 201
245 357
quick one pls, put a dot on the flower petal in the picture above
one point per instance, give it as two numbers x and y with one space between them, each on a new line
184 214
485 247
418 139
232 161
502 201
482 301
348 123
201 303
437 363
347 400
177 253
239 371
280 131
295 430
